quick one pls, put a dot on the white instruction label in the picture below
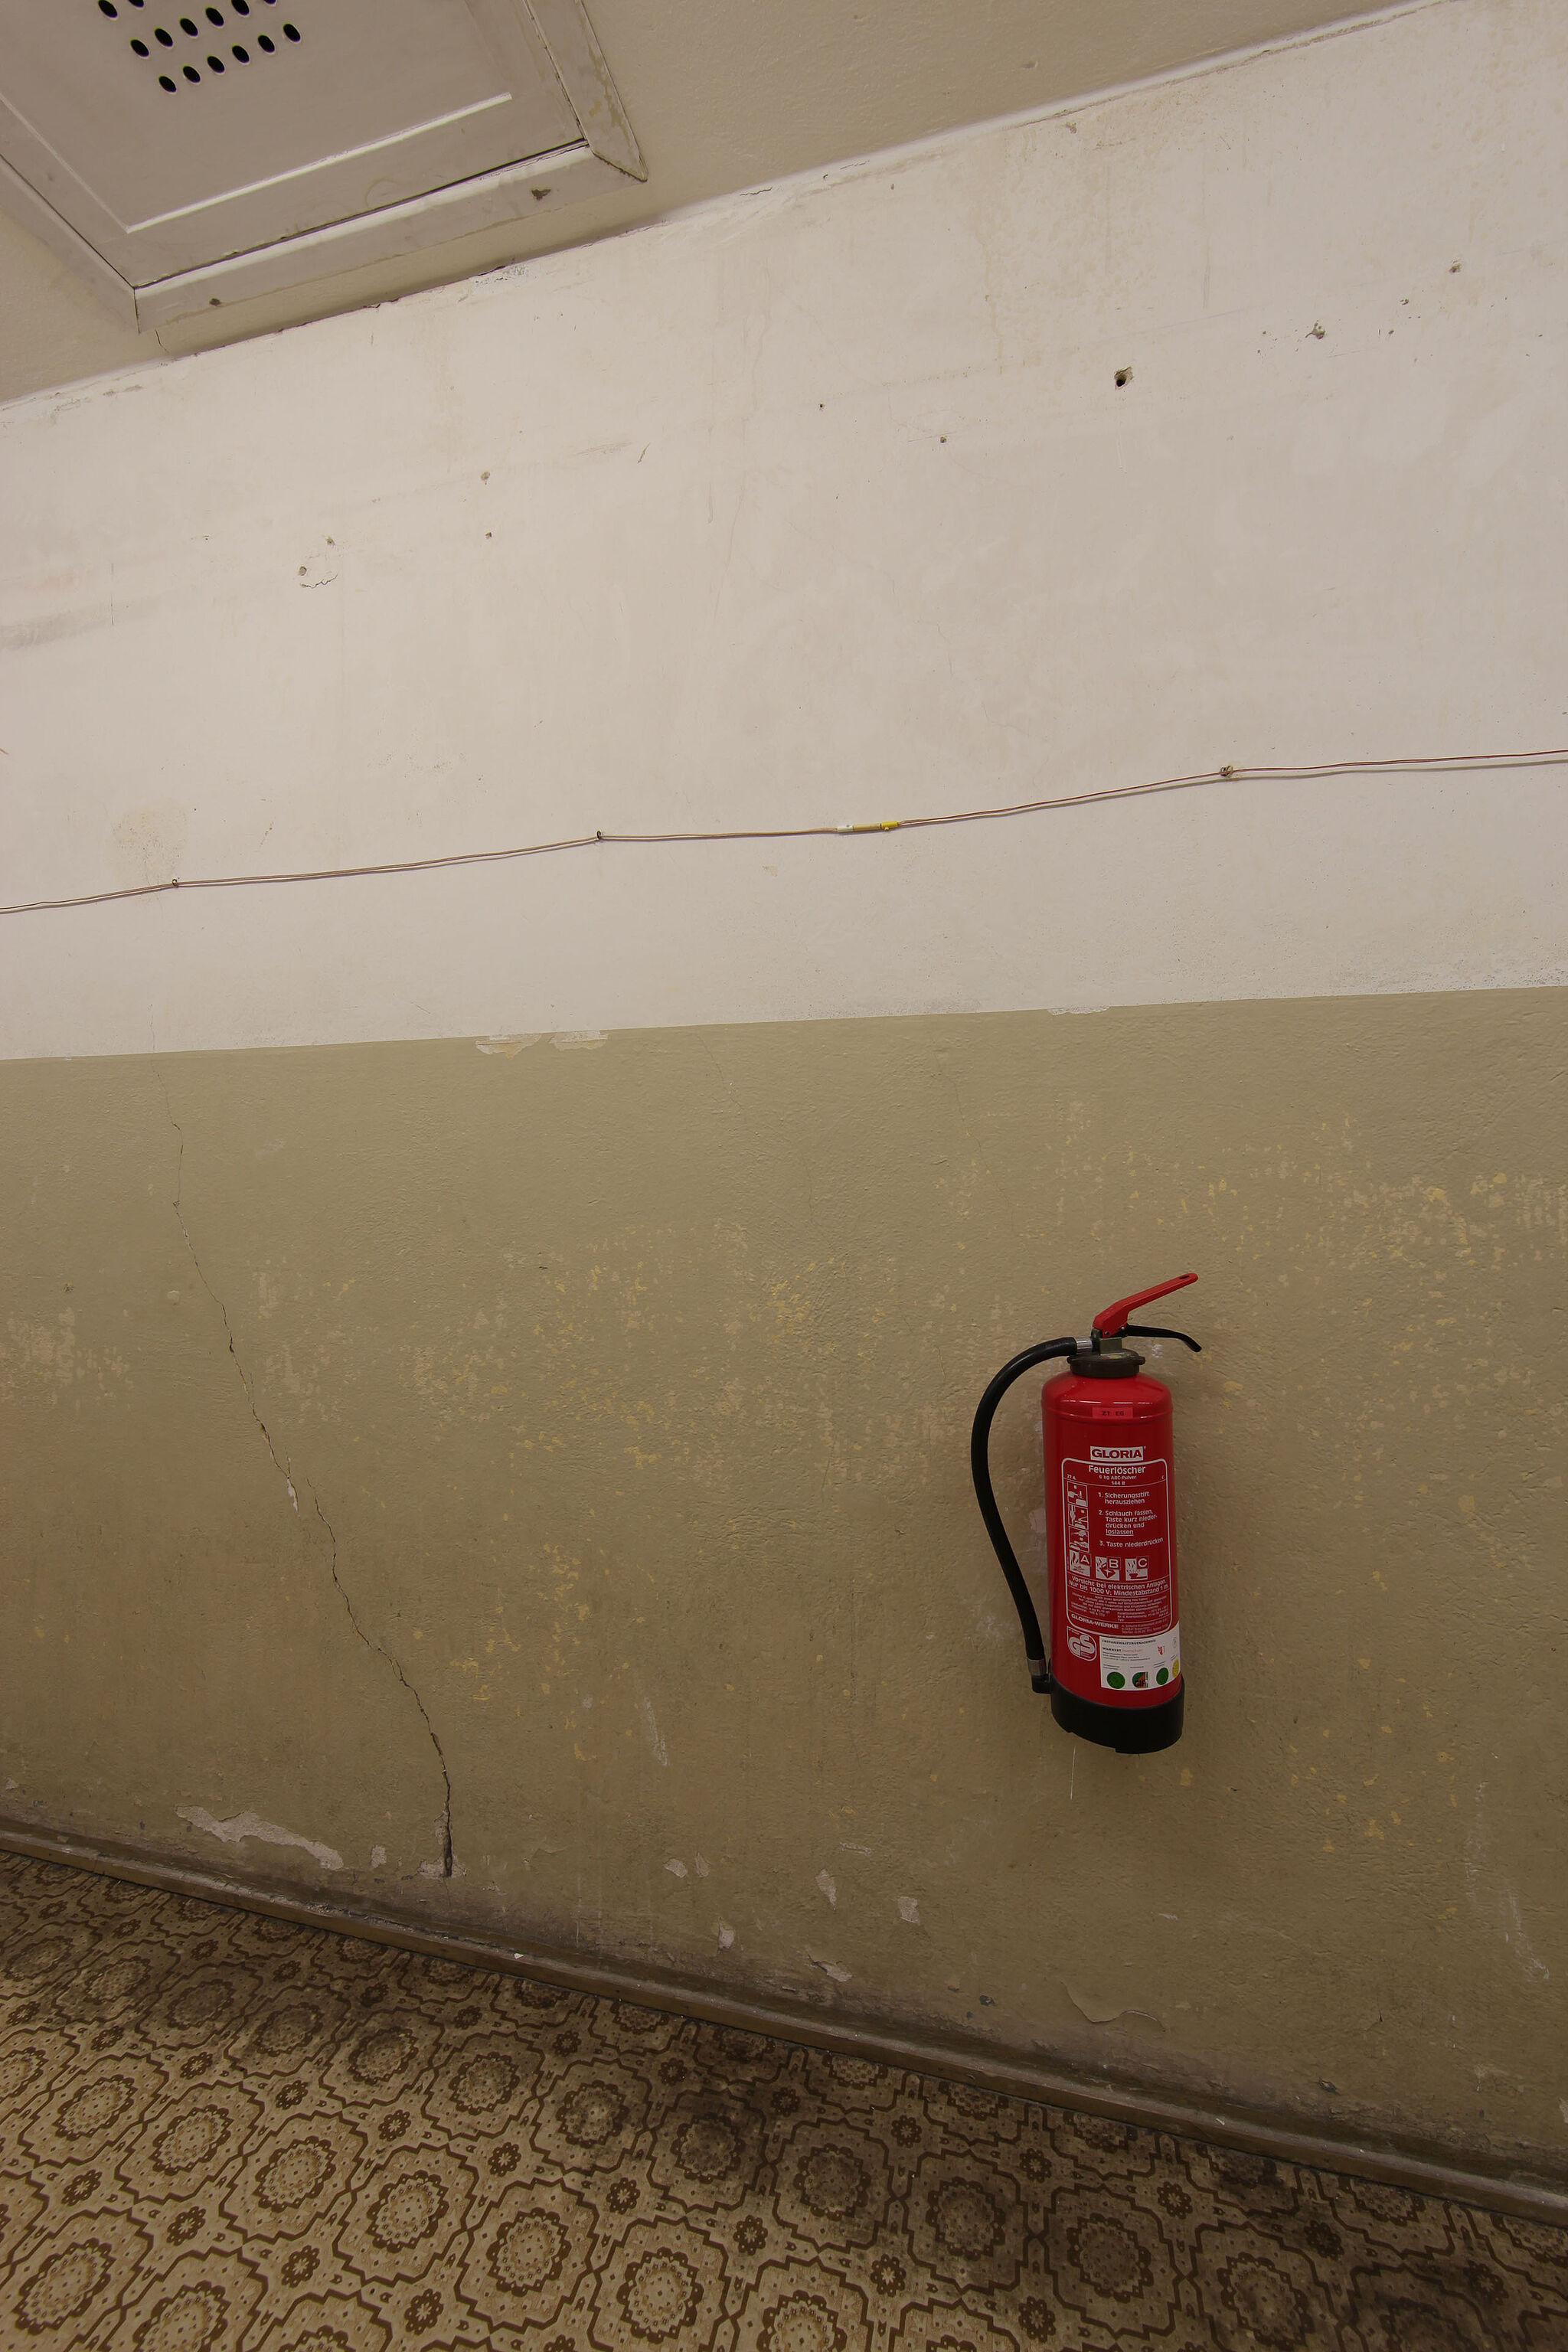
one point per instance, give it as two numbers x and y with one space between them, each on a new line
1150 1664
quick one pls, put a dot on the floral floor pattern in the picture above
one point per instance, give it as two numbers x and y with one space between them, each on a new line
219 2130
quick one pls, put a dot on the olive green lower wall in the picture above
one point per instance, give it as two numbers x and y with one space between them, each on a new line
582 1427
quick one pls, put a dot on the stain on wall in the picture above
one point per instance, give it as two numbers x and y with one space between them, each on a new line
537 1482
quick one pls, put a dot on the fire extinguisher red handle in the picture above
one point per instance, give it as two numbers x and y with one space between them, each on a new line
1112 1319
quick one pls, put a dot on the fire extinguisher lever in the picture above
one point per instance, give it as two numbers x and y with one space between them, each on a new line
985 1494
1112 1320
1158 1331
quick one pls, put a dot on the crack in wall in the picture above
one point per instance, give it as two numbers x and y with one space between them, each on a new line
381 1651
284 1469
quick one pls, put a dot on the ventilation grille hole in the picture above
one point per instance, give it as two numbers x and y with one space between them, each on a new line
192 31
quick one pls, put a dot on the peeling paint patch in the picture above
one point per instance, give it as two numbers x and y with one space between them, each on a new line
565 1041
378 1856
830 1969
677 1868
909 1911
240 1826
727 1936
828 1884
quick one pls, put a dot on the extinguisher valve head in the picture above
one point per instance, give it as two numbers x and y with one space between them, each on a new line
1107 1360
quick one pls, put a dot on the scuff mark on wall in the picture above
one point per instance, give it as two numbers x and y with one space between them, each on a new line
1497 1901
651 1724
1106 2012
240 1826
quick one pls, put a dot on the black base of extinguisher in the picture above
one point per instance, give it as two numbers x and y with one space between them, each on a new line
1131 1731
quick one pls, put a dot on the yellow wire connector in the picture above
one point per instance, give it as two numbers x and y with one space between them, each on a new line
885 824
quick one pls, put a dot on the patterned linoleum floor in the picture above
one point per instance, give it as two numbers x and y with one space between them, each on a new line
219 2130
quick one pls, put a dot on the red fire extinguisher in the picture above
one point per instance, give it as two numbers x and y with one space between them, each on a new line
1114 1670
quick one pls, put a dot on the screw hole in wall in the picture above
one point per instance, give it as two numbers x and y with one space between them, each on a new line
1124 375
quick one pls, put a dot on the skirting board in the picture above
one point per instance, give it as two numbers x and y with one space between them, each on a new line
1424 2170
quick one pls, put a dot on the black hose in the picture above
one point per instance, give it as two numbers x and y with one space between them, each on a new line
985 1494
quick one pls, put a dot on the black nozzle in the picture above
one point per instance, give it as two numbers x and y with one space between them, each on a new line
1158 1331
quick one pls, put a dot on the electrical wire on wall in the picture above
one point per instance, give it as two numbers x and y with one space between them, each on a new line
1456 763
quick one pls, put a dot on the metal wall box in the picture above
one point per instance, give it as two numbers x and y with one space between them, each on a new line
179 157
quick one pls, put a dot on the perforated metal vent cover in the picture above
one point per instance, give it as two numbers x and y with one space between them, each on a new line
172 139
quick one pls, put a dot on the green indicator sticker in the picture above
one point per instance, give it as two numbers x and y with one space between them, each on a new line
1139 1664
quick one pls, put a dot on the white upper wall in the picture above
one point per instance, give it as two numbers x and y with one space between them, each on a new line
824 504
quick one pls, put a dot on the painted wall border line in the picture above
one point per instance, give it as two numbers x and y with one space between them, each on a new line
1404 2164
